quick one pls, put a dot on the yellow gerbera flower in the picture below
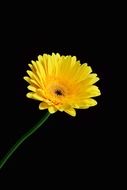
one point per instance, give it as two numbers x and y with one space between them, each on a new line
62 83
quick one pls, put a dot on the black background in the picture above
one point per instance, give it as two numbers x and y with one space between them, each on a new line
65 149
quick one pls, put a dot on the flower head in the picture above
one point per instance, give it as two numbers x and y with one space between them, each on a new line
62 83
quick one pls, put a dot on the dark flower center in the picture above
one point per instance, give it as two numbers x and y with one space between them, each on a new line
58 93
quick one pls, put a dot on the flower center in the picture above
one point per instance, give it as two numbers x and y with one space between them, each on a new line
59 92
56 91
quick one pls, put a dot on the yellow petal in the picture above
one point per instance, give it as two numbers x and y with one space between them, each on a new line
35 96
71 111
31 82
88 103
43 106
93 91
33 76
90 91
32 67
44 61
27 79
40 71
32 88
91 79
84 71
52 109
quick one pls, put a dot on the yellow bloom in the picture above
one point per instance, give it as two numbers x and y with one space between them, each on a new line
61 83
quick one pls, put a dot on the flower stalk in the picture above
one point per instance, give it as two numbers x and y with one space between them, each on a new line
22 139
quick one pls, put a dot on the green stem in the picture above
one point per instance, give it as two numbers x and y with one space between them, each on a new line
22 139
